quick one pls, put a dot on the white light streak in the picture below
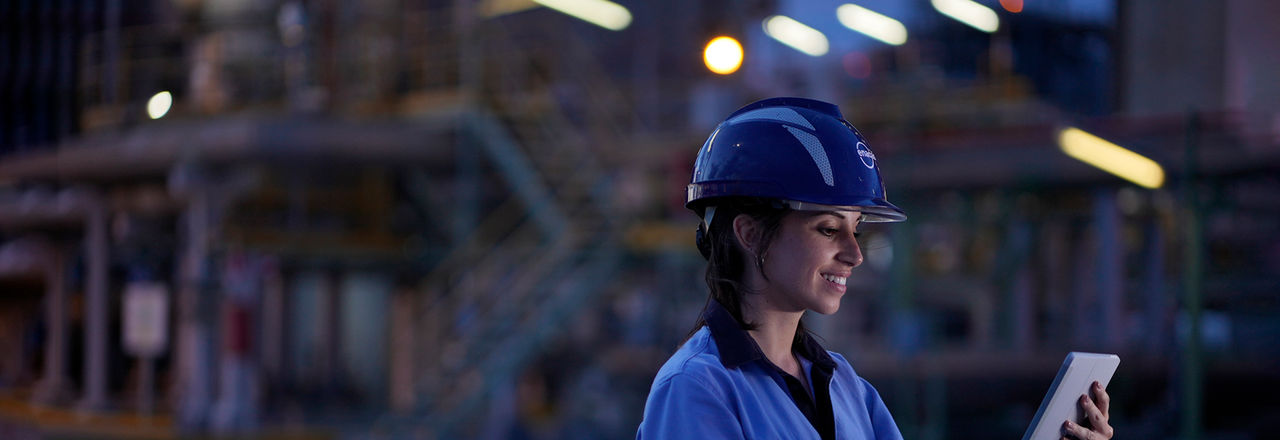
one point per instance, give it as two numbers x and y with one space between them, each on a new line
872 24
603 13
797 35
968 12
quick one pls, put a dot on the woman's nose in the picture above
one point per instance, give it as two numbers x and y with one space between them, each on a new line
851 252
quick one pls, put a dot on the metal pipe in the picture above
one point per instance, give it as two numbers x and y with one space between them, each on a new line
97 304
194 341
53 384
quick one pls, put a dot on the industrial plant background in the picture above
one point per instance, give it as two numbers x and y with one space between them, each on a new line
447 219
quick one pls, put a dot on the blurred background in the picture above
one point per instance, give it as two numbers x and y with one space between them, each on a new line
464 219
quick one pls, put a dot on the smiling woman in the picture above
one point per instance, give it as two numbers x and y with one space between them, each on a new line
782 186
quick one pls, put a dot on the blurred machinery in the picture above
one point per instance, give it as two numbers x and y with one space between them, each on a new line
439 219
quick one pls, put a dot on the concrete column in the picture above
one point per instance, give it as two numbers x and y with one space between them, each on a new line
97 307
53 386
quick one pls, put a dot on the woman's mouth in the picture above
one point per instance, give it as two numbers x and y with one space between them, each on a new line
836 279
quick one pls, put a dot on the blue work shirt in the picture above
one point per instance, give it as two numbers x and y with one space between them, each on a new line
719 385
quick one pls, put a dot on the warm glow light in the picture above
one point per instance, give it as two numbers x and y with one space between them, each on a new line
1014 6
973 14
796 34
159 105
1110 157
603 13
723 55
872 24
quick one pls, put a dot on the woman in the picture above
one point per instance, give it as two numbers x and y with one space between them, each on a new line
782 186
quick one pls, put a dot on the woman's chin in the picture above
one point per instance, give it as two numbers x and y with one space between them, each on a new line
827 309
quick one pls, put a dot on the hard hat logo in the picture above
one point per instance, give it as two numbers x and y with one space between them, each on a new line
864 153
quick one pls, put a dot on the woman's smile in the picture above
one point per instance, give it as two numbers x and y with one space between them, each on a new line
837 280
809 264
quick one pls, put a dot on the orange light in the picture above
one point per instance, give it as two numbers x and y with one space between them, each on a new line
723 55
1014 6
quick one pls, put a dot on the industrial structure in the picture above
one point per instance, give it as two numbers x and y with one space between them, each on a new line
464 219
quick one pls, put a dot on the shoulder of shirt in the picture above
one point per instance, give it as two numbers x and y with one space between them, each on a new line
843 366
698 359
841 362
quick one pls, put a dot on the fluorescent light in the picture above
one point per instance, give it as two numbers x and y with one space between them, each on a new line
796 34
1110 157
494 8
723 55
159 105
603 13
973 14
872 23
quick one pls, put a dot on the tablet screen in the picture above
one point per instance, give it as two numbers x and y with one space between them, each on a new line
1078 372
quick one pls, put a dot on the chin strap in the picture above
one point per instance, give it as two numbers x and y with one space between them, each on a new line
704 245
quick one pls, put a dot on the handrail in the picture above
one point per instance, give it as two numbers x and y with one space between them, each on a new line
547 137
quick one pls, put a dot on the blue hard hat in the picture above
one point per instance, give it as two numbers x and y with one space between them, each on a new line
800 152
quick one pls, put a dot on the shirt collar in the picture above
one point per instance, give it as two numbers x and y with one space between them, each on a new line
737 347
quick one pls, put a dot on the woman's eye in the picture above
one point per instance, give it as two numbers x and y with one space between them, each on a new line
828 231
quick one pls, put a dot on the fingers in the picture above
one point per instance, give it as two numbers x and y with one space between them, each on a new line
1073 430
1092 413
1097 420
1103 399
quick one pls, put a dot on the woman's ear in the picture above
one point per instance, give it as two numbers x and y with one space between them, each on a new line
747 231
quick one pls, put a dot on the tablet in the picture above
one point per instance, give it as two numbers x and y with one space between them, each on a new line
1078 372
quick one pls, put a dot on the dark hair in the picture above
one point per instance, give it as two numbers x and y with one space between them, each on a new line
726 260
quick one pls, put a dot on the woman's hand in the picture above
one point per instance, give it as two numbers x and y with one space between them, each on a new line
1097 416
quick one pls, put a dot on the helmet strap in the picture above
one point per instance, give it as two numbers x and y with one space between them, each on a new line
704 244
704 228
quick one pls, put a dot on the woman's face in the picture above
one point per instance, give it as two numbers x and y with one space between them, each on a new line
811 257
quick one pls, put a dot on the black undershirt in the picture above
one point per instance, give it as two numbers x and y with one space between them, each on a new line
738 348
820 413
